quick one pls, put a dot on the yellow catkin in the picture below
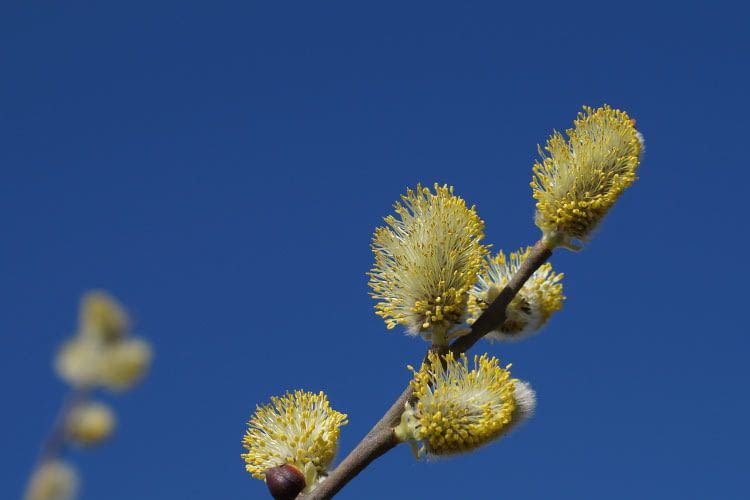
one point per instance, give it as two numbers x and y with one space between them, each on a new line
458 409
102 317
90 423
299 428
78 362
53 480
579 179
426 259
124 364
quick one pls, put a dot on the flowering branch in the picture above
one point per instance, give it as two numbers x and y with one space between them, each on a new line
433 276
100 355
381 438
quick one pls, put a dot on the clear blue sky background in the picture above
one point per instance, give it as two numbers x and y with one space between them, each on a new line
220 168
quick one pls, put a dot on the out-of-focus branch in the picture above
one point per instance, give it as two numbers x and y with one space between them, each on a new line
55 442
381 438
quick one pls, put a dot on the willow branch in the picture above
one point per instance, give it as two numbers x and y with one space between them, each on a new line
381 438
54 443
494 315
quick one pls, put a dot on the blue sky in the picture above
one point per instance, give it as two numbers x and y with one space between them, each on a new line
220 168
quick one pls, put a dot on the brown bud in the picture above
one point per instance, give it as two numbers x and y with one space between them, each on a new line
285 482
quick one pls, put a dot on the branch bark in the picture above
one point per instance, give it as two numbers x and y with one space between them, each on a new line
381 438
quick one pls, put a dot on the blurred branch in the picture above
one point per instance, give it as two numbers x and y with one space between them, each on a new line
54 444
381 438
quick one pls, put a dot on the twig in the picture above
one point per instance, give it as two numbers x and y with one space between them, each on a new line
495 313
381 438
54 444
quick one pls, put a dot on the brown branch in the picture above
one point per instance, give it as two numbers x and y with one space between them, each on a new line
54 443
381 438
495 313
